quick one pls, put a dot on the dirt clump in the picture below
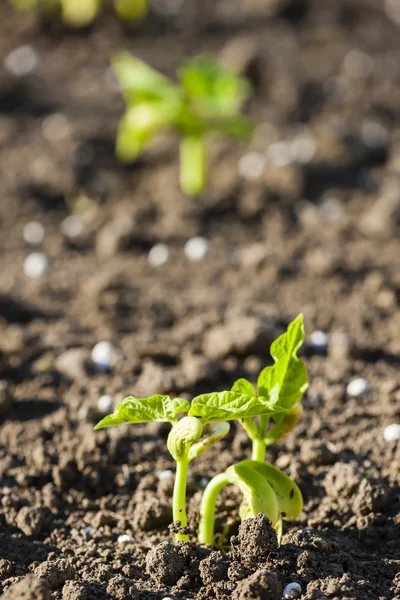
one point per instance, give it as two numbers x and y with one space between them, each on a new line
262 585
165 564
256 540
56 572
29 588
30 520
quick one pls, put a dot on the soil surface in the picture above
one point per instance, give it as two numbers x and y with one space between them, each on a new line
315 229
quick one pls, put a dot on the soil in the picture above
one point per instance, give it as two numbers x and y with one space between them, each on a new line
318 233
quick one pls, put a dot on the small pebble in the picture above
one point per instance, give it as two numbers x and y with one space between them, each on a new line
167 474
158 255
105 403
331 210
358 64
280 154
21 61
55 127
391 433
251 165
319 339
204 481
104 355
33 233
292 591
36 264
374 134
72 226
88 530
358 387
125 538
196 248
303 148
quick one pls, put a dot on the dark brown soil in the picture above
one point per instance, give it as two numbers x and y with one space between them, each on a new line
319 235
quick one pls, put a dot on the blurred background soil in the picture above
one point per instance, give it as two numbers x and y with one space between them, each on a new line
304 219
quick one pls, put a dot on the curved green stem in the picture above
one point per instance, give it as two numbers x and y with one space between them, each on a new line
179 497
207 508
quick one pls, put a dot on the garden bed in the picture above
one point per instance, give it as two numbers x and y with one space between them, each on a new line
318 234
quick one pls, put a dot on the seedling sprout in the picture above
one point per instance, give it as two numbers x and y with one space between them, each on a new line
199 424
206 99
80 13
265 488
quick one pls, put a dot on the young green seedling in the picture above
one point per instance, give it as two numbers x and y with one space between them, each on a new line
206 423
265 489
283 384
207 99
79 13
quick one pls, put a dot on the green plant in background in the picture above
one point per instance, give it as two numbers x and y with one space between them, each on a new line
206 99
265 488
206 423
79 13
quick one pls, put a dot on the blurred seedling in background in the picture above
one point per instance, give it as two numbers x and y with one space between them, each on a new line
265 488
80 13
206 99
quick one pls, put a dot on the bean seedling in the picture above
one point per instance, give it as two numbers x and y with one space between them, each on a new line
79 13
206 99
265 488
206 423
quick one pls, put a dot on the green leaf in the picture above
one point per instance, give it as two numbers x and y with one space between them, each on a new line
235 126
258 494
243 386
139 82
79 14
131 10
226 406
180 405
212 89
143 410
212 433
283 424
182 435
286 491
286 381
140 123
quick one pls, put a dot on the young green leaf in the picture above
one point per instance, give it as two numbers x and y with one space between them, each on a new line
183 434
284 423
226 406
288 494
286 381
144 410
131 10
243 386
258 494
213 89
139 82
79 14
212 433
